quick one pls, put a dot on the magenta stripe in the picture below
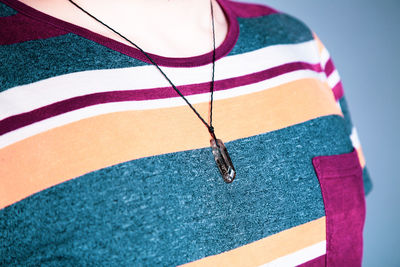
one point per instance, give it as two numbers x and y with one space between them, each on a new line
27 118
338 90
250 10
10 30
329 67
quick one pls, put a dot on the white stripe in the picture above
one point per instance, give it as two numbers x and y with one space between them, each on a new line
300 256
324 57
35 95
339 106
333 79
41 126
354 134
354 138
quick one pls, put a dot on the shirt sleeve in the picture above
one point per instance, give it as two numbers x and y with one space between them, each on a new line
335 83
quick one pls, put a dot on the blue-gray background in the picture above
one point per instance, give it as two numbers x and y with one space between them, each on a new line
363 39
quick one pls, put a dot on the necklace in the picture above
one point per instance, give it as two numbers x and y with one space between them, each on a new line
219 150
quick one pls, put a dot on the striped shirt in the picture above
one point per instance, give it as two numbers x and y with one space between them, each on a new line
102 163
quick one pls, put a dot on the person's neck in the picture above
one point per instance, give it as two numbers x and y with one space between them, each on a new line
173 28
196 12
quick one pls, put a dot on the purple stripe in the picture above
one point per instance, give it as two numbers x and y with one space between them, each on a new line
251 10
11 30
329 67
27 118
340 177
338 90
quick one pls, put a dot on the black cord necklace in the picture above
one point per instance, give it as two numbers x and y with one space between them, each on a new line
219 150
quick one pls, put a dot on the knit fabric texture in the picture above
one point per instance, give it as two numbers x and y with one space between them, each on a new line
102 163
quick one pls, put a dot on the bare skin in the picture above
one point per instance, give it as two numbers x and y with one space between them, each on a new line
169 28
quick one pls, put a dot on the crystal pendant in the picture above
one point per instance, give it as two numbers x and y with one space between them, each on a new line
223 160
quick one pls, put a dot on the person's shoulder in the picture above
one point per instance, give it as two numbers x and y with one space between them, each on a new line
267 26
262 13
250 10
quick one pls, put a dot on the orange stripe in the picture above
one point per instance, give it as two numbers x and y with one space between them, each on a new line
269 248
69 151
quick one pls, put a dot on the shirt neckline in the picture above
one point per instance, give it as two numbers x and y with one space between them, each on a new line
223 49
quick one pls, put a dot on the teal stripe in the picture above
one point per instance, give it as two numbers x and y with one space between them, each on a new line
70 53
39 59
6 11
346 114
260 32
349 126
175 208
367 181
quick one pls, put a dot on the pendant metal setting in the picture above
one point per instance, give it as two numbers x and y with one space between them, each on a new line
223 160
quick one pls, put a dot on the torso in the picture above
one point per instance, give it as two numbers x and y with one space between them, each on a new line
101 163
